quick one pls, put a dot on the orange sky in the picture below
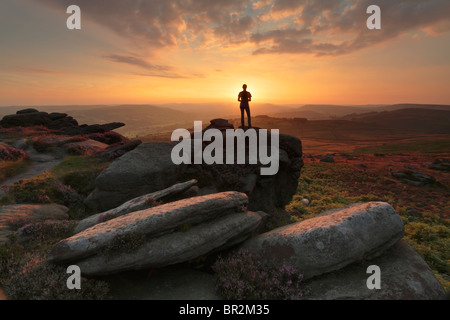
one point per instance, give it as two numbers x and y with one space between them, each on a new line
290 52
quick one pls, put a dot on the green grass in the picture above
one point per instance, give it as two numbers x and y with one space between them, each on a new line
427 230
413 147
24 273
68 184
74 164
11 168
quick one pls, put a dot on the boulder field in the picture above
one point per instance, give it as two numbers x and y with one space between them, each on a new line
333 250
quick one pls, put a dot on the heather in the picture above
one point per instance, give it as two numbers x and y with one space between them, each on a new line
24 273
247 276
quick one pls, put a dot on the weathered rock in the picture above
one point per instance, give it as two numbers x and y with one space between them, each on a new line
177 247
440 165
292 145
137 204
220 124
93 128
151 222
149 167
29 213
404 276
248 183
57 115
328 158
414 178
25 120
333 240
61 123
174 283
25 111
272 192
32 117
146 169
116 151
305 202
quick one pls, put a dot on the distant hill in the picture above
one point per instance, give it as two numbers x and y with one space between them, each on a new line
324 112
412 106
429 121
142 120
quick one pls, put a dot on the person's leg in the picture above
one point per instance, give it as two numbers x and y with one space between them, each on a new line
248 116
242 118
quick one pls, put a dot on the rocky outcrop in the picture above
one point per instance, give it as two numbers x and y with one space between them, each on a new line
117 150
94 128
404 276
169 234
220 124
28 213
414 178
329 158
146 169
137 204
149 167
333 240
440 165
32 117
56 121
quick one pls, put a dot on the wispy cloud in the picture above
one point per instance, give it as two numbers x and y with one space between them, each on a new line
135 61
32 70
148 69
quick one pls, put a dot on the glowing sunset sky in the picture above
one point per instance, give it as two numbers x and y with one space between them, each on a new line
287 51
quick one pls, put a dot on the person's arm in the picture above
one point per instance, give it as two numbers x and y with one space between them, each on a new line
239 97
249 97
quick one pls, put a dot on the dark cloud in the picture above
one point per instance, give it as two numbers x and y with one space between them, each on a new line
318 27
335 20
161 23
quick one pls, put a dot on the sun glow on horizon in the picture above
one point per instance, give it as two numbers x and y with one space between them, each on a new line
209 60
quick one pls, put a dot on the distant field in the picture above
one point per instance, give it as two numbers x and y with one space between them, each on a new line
411 147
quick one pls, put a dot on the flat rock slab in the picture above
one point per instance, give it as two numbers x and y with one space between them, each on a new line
29 213
150 222
137 204
56 141
177 247
333 240
404 276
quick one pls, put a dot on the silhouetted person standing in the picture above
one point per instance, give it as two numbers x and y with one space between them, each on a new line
245 97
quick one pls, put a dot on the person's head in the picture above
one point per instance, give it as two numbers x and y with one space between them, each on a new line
244 87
